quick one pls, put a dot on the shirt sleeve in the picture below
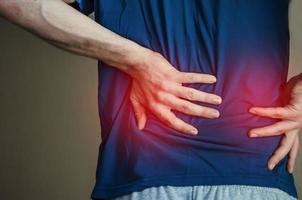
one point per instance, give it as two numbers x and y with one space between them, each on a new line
85 6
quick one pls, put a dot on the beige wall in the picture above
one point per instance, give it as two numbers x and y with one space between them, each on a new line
49 128
295 68
48 116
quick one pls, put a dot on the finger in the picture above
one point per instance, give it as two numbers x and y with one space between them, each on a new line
275 129
190 77
293 155
193 94
277 112
285 146
187 107
169 118
140 113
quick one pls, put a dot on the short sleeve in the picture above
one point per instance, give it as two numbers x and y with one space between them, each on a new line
85 6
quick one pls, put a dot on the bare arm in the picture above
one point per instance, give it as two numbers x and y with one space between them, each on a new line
63 26
157 85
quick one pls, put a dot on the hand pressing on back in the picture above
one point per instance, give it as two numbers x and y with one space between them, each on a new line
290 124
157 88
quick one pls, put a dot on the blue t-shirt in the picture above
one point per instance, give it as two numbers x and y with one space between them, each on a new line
245 44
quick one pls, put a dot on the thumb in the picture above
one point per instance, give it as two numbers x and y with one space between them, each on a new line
140 113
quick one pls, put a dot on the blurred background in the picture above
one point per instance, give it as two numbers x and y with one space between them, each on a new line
49 125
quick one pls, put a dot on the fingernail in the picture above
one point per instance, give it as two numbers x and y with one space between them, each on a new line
253 135
271 166
217 100
213 79
214 114
194 131
253 111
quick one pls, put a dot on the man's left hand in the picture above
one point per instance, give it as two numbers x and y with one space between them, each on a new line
290 124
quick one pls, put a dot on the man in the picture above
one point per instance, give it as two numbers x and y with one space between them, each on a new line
194 75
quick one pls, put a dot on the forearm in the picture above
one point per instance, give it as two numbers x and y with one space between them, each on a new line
65 27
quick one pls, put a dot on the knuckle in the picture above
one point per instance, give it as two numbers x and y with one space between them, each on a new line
132 98
132 95
172 123
281 130
169 121
157 54
164 85
277 113
187 76
152 105
163 98
161 116
159 84
159 96
202 111
190 94
186 107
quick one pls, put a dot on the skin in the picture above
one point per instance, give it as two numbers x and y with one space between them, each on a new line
156 84
290 124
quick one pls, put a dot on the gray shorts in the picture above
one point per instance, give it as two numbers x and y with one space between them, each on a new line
221 192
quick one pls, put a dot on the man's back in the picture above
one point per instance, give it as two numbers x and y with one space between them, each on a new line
245 45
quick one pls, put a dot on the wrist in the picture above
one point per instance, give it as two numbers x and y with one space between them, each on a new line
125 55
134 58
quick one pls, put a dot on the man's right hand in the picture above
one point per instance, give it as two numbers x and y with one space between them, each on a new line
157 88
